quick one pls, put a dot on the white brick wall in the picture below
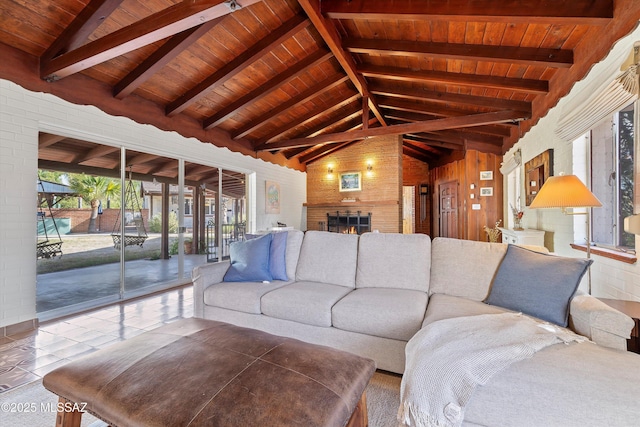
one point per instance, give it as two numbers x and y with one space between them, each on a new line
610 278
23 114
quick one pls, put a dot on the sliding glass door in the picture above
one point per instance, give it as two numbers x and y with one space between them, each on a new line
117 223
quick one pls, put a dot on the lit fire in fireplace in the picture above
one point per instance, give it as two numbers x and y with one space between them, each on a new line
350 230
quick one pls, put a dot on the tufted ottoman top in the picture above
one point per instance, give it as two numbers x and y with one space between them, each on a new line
198 372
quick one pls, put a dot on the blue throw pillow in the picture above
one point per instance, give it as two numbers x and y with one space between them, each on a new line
537 284
277 253
277 260
249 260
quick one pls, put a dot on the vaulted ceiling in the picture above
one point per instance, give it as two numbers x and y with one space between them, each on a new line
292 80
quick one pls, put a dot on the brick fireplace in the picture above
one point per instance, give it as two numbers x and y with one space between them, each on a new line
347 222
381 184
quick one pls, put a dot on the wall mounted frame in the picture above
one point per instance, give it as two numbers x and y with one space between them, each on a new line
536 172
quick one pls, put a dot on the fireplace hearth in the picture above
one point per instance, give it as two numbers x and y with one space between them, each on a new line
348 222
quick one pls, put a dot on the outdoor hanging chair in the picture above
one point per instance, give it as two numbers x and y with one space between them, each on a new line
132 221
46 248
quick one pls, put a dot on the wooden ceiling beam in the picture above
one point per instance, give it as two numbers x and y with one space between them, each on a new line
239 64
106 172
330 35
460 137
502 129
140 159
555 58
47 139
196 169
424 149
323 151
161 57
405 116
454 140
433 142
349 114
314 91
166 166
467 80
343 127
336 122
268 88
569 12
484 147
312 115
471 133
451 98
426 126
95 152
411 152
151 29
85 23
467 135
352 125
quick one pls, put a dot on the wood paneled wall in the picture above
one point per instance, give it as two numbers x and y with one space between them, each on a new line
381 192
414 173
467 172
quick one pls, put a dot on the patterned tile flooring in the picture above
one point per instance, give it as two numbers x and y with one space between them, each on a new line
29 356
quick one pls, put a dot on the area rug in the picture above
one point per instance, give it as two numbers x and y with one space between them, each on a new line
33 405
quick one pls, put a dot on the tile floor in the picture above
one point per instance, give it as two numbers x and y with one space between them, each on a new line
29 356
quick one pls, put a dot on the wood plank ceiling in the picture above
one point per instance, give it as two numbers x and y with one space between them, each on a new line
291 81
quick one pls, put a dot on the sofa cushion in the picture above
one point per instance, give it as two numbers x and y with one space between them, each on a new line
574 385
464 268
239 296
393 260
277 256
294 242
249 260
303 302
442 306
328 258
537 284
386 313
284 253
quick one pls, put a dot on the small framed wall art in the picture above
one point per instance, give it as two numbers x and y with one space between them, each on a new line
272 197
486 191
486 175
350 181
536 172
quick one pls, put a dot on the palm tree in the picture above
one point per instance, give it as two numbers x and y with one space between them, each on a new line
93 189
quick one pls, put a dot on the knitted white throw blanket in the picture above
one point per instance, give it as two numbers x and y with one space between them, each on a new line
448 358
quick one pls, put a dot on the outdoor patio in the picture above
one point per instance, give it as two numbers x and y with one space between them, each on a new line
75 289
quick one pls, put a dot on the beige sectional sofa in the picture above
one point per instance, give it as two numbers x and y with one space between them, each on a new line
370 294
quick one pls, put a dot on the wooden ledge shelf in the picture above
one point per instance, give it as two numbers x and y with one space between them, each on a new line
346 205
627 258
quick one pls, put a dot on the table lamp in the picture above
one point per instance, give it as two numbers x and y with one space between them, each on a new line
567 191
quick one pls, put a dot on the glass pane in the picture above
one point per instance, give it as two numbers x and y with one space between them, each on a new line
78 201
625 168
211 237
150 223
603 182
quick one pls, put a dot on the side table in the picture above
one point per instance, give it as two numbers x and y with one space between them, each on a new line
631 309
528 236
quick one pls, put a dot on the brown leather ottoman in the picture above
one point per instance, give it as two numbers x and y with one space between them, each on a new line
198 372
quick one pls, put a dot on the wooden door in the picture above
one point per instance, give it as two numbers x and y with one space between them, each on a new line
449 209
408 209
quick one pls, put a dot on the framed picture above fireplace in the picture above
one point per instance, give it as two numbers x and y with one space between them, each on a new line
350 181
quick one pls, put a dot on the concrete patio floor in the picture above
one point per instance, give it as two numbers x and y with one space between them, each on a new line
64 292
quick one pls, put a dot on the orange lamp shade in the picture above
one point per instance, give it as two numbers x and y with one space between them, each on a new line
564 191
